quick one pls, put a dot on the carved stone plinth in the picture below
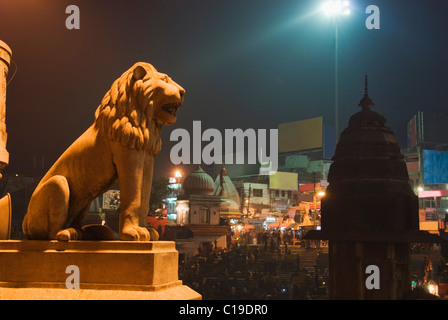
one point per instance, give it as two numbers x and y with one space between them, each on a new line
107 270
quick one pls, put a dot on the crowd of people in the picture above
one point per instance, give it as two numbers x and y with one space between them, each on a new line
248 271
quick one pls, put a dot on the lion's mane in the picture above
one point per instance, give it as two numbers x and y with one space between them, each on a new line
125 114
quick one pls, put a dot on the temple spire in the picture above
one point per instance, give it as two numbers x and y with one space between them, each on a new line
366 103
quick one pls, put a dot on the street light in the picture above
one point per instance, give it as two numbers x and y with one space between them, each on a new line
177 176
335 9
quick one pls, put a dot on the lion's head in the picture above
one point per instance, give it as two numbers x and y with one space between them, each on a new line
138 103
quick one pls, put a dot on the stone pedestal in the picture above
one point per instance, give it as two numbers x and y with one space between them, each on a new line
348 283
107 270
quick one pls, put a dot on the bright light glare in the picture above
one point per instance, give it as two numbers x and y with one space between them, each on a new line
177 174
321 194
336 8
433 289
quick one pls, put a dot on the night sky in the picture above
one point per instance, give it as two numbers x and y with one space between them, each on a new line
244 64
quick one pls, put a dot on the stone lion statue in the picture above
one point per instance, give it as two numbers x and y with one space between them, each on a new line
119 146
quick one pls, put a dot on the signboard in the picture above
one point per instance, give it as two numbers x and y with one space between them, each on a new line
433 193
435 166
300 135
429 225
434 129
283 181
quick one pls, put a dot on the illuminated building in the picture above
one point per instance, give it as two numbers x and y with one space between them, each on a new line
427 163
203 208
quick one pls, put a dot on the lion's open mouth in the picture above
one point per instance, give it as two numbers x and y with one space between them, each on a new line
171 108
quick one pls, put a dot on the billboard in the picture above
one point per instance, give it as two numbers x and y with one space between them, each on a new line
435 166
427 128
434 129
300 135
283 181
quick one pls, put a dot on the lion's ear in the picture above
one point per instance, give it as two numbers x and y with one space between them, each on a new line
139 73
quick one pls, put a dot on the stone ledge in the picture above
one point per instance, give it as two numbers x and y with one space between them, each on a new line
90 286
177 293
146 268
91 246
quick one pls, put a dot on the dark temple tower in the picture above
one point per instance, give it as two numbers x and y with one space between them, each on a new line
369 212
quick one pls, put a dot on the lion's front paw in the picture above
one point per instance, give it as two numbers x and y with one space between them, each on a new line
67 234
134 233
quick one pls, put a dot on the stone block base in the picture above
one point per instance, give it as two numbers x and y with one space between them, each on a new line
105 269
180 292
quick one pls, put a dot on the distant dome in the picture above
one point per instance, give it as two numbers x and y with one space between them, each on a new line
199 182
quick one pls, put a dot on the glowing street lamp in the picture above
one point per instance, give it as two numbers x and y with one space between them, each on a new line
176 179
335 9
